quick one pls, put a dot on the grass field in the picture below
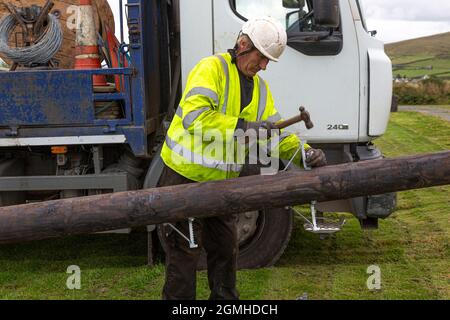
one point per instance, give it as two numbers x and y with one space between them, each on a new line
411 248
440 67
421 52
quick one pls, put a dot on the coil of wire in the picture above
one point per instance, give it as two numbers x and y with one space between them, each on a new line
40 52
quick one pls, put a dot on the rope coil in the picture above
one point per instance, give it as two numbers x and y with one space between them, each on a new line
41 52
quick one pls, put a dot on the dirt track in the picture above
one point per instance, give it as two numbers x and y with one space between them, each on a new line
439 111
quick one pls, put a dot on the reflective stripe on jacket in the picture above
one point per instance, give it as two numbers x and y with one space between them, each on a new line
200 143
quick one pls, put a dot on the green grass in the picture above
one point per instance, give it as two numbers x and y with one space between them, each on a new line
409 59
441 66
411 248
433 50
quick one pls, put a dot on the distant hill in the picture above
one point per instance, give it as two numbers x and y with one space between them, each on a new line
419 57
436 45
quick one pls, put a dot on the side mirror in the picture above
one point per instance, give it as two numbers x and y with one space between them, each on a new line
326 13
293 4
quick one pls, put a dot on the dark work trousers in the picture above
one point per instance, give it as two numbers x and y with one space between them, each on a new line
217 235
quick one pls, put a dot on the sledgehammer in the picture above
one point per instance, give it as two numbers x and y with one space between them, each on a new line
303 116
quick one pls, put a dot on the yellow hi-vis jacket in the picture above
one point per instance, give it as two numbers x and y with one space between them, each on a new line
201 141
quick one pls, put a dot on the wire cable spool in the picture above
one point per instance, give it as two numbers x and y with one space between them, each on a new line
40 52
67 13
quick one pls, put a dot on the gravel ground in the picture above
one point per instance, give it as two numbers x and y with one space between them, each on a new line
439 111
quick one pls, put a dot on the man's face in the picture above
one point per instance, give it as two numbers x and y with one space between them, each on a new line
250 64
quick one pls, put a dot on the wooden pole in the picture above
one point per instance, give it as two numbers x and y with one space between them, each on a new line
168 204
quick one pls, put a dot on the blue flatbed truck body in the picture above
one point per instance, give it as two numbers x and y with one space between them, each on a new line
58 104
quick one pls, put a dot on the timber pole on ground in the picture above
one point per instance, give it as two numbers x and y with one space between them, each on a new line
105 212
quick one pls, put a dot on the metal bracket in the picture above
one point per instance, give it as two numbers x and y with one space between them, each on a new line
134 26
325 226
13 132
302 149
191 239
112 127
37 29
305 165
31 20
97 156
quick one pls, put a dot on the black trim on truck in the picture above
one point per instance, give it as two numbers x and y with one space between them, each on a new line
233 8
316 43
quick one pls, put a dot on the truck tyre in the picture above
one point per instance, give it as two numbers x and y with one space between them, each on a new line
268 241
267 236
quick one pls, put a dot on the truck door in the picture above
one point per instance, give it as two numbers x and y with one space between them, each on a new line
319 69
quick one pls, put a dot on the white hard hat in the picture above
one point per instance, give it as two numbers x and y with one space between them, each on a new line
268 35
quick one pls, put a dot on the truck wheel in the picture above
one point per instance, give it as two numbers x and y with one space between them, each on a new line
264 244
263 236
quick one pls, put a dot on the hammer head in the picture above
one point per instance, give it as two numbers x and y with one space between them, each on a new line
306 118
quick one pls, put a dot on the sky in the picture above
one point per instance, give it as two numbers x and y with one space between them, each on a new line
394 20
397 20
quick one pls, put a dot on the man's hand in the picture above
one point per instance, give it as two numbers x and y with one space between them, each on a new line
316 158
263 128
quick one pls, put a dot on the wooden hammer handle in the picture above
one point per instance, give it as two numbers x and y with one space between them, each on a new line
303 116
289 122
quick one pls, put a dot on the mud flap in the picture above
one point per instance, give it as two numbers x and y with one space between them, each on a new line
381 206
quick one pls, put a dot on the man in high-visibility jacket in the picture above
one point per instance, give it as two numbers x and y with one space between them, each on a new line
223 96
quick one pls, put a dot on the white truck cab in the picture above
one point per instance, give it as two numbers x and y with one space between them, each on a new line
339 73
